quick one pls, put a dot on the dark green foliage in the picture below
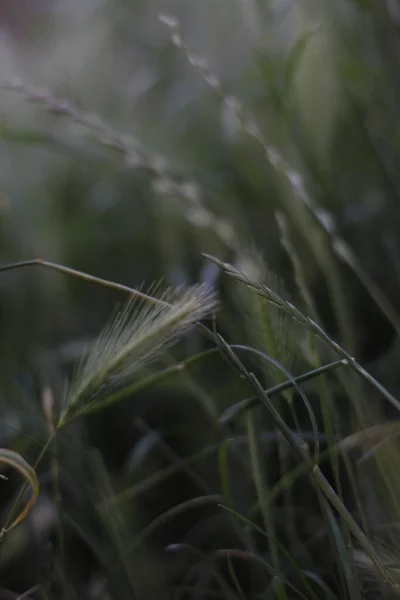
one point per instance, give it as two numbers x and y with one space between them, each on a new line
240 151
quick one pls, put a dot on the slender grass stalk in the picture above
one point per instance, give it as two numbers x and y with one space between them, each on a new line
118 287
32 590
309 323
235 579
327 401
203 561
298 389
193 503
127 145
172 456
114 521
260 481
225 474
239 408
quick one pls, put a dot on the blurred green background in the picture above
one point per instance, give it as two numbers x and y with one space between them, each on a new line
244 124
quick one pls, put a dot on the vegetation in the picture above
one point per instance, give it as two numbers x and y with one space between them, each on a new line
233 431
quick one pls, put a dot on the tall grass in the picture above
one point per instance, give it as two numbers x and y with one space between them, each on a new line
186 452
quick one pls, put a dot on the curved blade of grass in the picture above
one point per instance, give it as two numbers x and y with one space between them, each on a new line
14 460
160 476
237 409
173 456
250 556
223 469
295 56
260 481
21 433
345 567
286 431
346 255
235 579
328 593
130 147
118 287
302 395
279 546
173 512
59 144
307 322
203 559
39 459
25 595
87 538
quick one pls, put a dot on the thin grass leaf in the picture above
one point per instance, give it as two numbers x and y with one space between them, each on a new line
344 565
172 455
223 469
344 252
327 401
225 349
260 475
203 561
14 460
252 557
111 285
317 580
131 148
294 58
235 579
234 360
32 590
135 338
172 513
297 265
279 546
239 408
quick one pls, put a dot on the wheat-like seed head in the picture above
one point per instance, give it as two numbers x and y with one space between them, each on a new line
135 337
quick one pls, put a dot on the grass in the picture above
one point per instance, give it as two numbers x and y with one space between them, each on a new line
235 437
126 334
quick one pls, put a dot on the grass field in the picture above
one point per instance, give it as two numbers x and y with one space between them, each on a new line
199 283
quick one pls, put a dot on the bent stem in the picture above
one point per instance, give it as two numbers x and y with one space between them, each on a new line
118 287
39 459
